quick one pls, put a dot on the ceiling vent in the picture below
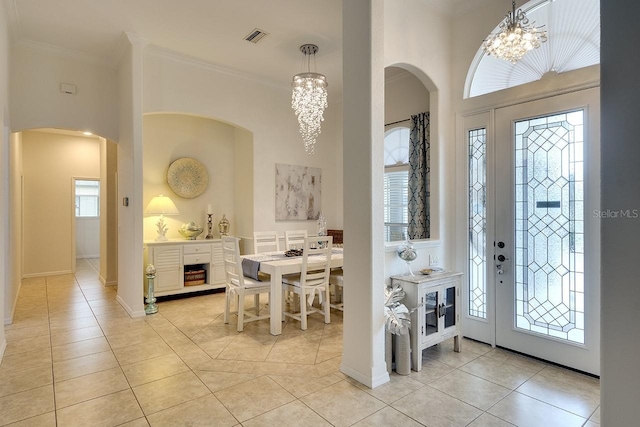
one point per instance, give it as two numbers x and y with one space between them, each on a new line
255 36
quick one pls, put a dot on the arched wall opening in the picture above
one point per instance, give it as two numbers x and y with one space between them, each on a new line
45 229
226 152
409 91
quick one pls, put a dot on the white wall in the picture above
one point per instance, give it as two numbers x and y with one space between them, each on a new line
87 237
37 102
50 162
173 84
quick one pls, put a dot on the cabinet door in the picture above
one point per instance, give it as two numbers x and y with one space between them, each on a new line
448 306
431 321
217 264
168 263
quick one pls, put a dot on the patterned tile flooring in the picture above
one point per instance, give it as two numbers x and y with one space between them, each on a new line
75 358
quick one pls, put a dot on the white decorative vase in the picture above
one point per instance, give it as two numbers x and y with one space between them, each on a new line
388 350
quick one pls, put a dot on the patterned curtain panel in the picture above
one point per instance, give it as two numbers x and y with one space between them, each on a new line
419 177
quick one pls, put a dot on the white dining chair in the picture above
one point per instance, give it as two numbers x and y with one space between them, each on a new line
313 280
238 285
265 241
336 278
294 239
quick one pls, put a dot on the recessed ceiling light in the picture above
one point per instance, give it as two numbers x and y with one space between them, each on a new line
87 133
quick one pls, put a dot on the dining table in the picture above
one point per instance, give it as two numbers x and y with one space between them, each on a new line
277 264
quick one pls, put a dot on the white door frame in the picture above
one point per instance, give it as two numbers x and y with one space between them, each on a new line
484 329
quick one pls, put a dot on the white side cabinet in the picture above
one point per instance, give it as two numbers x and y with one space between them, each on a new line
437 318
175 257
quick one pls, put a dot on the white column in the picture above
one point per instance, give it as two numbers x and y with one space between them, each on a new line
363 132
620 227
130 214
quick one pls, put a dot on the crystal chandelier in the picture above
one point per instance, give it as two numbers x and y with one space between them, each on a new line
515 38
309 99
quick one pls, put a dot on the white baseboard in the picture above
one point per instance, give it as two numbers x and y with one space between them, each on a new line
128 309
3 347
8 319
369 381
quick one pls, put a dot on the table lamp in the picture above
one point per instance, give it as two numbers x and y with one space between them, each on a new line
161 205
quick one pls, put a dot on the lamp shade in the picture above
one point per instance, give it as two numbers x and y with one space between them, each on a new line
161 205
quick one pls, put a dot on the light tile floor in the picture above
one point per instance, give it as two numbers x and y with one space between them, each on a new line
75 358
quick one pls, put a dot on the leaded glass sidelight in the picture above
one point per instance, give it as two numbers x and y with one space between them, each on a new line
549 226
477 223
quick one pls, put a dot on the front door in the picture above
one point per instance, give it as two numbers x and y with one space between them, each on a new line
546 265
533 245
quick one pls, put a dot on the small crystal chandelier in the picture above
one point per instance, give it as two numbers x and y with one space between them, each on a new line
515 38
309 99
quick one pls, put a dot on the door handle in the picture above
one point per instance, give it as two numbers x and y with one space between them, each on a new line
500 271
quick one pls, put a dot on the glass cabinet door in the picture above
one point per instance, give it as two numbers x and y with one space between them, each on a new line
431 313
449 306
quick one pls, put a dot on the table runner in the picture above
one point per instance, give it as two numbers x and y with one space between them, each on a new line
251 263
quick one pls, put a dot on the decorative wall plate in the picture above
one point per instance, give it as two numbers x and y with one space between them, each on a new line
187 177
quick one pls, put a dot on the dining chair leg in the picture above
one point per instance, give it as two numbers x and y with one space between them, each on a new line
240 310
256 304
227 302
303 310
284 304
326 304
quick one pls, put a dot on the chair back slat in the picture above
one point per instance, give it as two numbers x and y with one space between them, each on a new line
265 241
232 262
316 261
294 239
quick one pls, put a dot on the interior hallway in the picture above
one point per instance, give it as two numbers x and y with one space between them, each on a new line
75 358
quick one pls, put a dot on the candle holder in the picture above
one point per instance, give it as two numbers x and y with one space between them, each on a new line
209 226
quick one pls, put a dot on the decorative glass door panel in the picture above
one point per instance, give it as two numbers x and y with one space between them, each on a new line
549 217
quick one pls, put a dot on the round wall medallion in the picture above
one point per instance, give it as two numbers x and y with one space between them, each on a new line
187 177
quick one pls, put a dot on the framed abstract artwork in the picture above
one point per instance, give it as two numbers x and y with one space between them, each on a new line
298 192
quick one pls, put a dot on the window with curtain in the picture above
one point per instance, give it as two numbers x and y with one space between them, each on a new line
396 183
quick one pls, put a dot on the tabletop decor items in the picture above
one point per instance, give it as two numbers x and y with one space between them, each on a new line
190 231
407 252
223 226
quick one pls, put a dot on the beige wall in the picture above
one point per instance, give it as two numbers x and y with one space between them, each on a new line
50 162
14 281
6 273
109 212
168 137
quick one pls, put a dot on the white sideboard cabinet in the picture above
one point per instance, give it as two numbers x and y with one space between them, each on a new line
437 317
175 257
